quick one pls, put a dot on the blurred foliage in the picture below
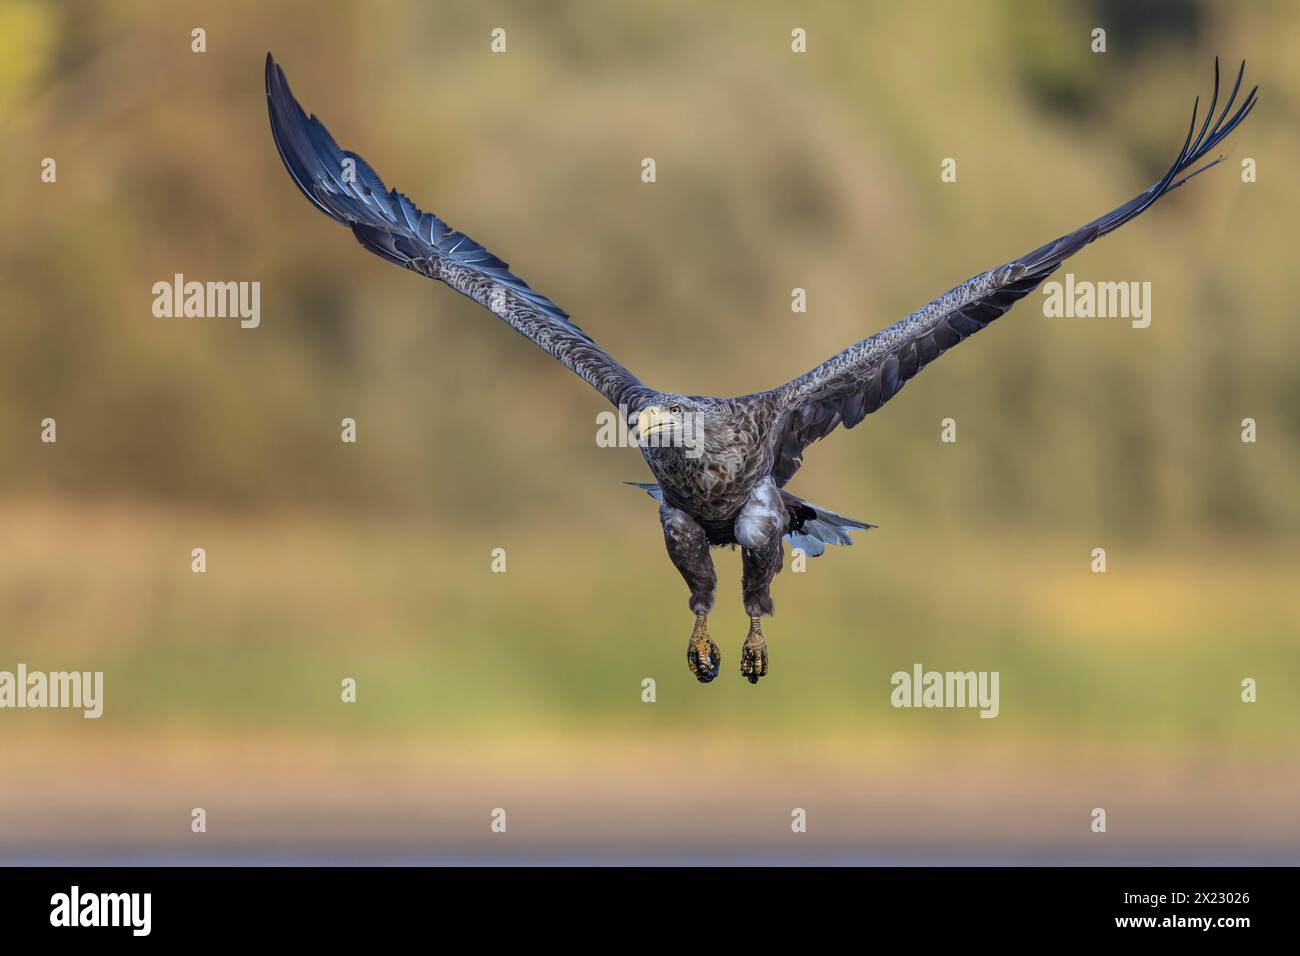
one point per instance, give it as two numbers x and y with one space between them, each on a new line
775 171
1150 653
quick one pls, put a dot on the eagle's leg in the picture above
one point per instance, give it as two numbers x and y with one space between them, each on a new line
760 566
759 528
753 656
688 546
702 655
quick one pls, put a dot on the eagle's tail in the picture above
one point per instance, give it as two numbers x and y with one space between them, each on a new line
811 526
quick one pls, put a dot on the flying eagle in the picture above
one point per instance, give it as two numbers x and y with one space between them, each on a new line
721 464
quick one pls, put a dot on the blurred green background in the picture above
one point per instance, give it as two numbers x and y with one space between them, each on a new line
523 690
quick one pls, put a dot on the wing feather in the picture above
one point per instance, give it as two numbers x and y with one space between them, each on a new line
344 186
856 382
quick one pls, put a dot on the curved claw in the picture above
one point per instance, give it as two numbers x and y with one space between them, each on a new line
753 656
704 658
701 653
753 660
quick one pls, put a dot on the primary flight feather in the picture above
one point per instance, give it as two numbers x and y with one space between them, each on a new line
721 464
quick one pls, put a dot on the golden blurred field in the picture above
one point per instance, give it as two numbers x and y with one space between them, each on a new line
523 690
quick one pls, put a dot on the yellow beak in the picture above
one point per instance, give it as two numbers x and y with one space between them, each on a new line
653 420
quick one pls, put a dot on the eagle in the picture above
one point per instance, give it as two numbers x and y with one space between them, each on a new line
721 465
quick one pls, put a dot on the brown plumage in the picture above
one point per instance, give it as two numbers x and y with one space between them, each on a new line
720 464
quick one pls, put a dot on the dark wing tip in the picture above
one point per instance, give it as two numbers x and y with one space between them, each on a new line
274 75
1196 146
276 85
293 137
384 221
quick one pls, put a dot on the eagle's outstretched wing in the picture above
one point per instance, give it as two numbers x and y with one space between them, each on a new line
344 187
857 381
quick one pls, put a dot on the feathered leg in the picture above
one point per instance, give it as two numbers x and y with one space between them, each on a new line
688 546
760 567
759 528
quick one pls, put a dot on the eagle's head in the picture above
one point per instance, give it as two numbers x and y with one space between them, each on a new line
673 424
